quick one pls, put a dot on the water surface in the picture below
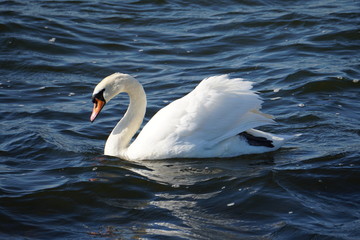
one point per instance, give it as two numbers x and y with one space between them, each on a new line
55 183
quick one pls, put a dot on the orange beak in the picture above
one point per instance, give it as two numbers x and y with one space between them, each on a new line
98 105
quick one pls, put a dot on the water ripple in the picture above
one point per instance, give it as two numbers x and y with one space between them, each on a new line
54 181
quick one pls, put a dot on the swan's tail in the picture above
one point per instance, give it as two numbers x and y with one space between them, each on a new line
259 138
256 140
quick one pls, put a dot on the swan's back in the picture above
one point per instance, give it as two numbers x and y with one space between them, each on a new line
203 123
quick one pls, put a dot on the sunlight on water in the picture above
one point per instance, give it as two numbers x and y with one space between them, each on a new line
56 184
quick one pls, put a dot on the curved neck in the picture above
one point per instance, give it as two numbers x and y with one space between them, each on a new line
119 139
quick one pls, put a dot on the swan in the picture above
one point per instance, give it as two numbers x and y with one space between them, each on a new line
215 120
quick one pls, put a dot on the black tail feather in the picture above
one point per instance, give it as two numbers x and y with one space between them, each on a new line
256 141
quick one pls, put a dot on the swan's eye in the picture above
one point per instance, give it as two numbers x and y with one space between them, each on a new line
99 95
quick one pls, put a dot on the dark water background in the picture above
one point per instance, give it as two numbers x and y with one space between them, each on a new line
54 181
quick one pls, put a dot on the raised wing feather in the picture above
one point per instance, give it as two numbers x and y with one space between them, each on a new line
217 109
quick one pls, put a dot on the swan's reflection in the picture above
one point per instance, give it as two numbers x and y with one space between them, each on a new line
182 192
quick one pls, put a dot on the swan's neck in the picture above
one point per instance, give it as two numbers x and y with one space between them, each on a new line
119 139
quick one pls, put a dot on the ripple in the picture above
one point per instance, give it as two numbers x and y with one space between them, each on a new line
55 182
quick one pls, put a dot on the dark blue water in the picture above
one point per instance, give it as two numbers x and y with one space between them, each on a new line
54 181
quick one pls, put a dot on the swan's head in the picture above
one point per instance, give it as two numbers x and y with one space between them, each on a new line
108 88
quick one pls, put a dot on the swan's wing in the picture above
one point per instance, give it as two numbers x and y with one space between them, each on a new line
218 108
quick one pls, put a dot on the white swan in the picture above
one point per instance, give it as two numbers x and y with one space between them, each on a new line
216 119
